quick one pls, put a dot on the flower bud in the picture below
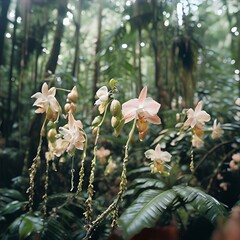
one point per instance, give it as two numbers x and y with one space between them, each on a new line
96 121
115 107
112 83
51 115
67 107
73 95
114 122
119 127
95 130
52 135
70 107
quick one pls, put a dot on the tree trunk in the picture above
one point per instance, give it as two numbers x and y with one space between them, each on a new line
10 76
162 95
75 69
139 49
98 46
55 51
4 6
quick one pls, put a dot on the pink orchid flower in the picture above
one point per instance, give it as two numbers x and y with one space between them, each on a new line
142 107
197 118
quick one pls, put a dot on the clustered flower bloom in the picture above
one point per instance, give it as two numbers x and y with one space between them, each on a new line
46 102
235 162
159 159
144 109
196 120
102 95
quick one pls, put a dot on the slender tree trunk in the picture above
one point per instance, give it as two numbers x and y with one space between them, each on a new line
139 49
98 46
55 51
4 6
162 95
10 79
75 69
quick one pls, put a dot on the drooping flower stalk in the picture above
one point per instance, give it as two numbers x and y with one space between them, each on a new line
33 168
81 172
123 183
45 196
113 207
90 190
72 173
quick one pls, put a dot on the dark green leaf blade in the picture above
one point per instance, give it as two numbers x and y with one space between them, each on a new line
203 203
145 211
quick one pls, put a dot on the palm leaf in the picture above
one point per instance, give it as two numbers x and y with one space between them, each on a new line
203 203
146 210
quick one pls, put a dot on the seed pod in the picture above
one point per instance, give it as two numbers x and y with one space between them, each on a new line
115 108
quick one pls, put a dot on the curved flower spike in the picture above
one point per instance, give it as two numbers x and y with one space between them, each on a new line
197 118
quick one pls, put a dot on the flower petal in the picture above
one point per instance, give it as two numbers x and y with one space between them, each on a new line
150 154
198 108
142 95
153 119
203 116
151 106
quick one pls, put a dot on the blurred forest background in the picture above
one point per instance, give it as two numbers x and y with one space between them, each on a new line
183 50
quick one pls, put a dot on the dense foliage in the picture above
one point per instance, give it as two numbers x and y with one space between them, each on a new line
185 52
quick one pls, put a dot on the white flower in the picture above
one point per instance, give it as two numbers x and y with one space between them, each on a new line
216 130
159 159
197 118
72 135
46 100
102 95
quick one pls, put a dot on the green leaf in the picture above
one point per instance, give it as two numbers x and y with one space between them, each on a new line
12 207
26 228
146 210
13 228
203 203
11 193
